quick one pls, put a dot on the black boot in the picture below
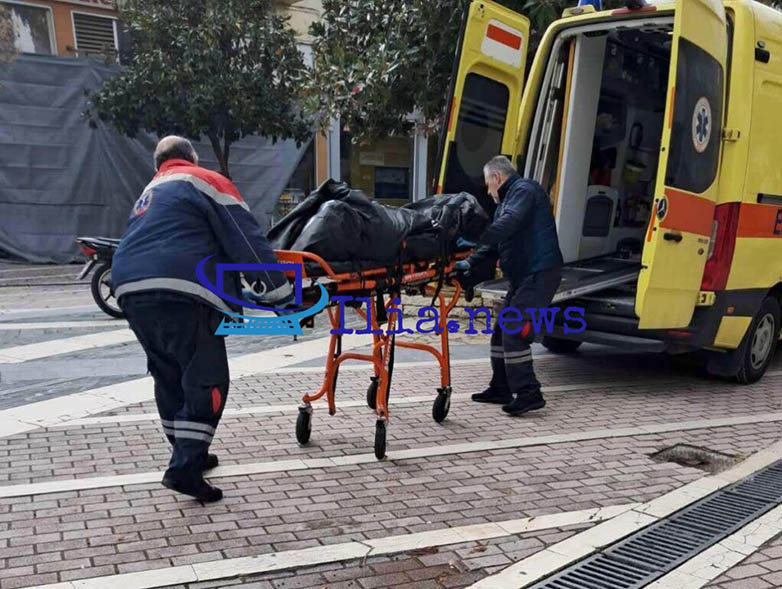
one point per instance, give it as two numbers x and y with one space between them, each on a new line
524 402
199 489
491 395
211 462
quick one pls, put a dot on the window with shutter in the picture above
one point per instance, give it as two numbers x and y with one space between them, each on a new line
95 35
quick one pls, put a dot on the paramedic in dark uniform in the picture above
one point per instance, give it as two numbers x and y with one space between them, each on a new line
186 214
523 236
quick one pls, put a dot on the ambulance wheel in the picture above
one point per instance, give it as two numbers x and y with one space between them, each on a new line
761 342
304 425
372 393
380 439
559 345
441 406
102 292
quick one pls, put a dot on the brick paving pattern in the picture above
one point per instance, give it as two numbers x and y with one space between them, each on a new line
762 570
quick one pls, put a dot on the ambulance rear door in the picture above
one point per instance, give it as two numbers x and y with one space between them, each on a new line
676 244
483 107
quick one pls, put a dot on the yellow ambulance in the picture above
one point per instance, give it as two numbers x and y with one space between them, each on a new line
657 131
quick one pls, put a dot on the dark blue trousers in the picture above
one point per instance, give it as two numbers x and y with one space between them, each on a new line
190 368
511 356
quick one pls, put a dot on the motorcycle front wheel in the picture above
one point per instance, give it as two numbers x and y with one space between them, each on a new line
103 293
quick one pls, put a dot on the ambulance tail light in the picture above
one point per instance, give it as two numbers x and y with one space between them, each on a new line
723 243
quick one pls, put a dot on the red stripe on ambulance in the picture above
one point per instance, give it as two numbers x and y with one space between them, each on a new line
505 37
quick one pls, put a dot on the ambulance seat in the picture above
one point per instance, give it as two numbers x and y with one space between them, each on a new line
598 221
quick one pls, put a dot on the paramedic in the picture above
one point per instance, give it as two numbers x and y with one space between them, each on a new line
523 236
186 214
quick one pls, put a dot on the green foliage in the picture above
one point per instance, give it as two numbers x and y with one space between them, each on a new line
376 61
222 69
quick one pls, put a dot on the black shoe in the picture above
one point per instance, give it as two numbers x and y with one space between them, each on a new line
491 395
200 490
525 402
211 462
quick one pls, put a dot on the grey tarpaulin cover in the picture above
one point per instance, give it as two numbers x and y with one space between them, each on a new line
59 178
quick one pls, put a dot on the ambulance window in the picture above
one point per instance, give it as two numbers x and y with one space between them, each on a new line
478 138
697 120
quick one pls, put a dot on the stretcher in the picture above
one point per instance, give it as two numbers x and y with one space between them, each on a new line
383 285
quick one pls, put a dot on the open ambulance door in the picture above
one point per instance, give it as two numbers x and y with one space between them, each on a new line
677 240
485 97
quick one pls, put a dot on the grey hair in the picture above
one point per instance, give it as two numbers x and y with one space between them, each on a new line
500 165
174 147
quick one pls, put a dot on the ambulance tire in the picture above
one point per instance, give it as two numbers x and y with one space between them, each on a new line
758 352
559 345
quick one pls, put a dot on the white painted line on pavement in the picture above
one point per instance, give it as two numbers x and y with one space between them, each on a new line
61 325
307 557
542 564
285 408
10 313
56 347
703 568
78 405
295 464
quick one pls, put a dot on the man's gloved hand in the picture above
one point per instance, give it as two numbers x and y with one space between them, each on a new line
281 297
461 242
462 266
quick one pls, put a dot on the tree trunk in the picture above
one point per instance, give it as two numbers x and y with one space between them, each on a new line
221 154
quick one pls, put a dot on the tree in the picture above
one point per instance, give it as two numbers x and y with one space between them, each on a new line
7 36
222 69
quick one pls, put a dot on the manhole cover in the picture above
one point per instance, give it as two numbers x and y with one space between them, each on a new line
694 457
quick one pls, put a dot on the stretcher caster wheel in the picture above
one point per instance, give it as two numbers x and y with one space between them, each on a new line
372 393
304 425
442 404
380 439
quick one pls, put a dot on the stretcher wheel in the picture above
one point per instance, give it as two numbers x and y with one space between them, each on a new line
372 393
380 439
442 404
304 425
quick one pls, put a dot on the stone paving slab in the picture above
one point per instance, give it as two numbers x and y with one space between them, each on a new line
453 566
762 570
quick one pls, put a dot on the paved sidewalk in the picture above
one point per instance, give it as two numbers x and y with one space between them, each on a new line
58 536
453 504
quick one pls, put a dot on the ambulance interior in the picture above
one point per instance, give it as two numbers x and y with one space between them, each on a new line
595 148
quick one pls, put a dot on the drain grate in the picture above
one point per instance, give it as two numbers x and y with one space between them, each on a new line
652 552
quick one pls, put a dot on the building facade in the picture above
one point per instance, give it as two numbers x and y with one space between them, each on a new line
76 28
392 170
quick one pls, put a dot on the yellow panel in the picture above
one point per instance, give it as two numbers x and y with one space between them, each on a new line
731 332
670 278
490 47
757 263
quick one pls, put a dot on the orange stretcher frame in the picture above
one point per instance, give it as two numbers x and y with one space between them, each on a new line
381 281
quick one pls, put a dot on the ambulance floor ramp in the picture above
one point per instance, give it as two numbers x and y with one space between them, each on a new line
652 552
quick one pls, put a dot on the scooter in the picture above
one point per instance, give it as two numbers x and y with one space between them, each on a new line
100 251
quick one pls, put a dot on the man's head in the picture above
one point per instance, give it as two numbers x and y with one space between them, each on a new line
496 171
174 147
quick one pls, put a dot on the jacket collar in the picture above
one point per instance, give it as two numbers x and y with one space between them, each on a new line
503 190
168 164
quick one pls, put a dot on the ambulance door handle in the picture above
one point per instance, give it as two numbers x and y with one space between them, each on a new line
677 237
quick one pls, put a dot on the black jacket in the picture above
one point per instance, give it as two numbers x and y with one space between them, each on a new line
523 234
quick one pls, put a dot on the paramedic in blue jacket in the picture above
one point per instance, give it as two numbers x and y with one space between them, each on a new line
184 215
523 236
